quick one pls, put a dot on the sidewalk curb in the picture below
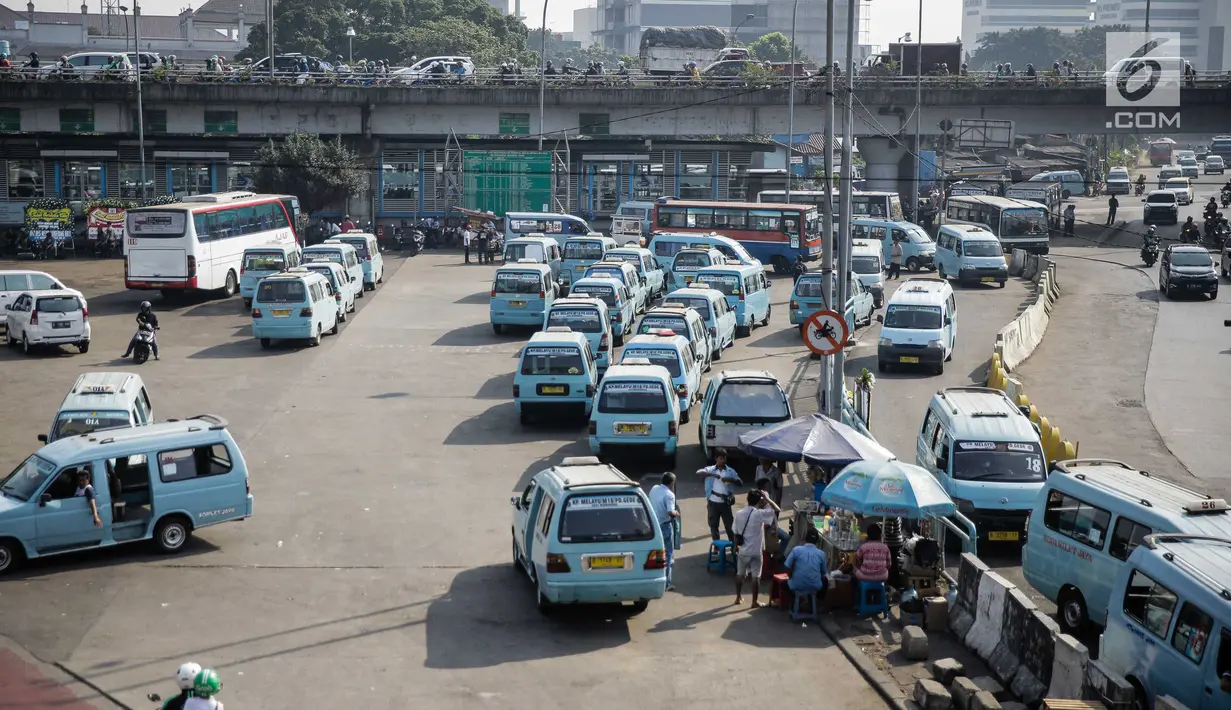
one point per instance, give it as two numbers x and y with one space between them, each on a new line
86 694
884 686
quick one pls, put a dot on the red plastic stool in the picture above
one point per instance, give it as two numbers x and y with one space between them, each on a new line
780 591
769 566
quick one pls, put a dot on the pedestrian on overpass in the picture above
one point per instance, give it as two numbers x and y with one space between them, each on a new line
1112 205
1070 216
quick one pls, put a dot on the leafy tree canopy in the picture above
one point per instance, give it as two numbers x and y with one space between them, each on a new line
321 173
775 47
393 30
558 52
1042 46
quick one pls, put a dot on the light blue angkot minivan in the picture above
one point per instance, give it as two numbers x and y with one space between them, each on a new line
295 305
259 262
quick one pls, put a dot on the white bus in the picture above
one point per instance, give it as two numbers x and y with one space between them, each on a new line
196 244
1019 224
865 205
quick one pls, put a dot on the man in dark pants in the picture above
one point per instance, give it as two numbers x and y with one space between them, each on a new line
1070 217
1112 205
483 237
720 483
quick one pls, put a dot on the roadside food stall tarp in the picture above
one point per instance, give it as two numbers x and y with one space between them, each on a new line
888 489
815 439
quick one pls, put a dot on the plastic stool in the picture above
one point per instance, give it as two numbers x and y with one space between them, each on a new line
769 565
720 550
812 609
780 591
871 599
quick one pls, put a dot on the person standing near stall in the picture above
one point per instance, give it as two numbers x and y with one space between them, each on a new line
720 480
750 521
666 511
769 472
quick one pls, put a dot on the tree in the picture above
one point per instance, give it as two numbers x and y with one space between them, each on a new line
319 173
775 47
1042 46
558 52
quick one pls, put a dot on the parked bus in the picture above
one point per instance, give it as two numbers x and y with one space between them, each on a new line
872 205
774 234
197 244
798 197
557 226
1019 224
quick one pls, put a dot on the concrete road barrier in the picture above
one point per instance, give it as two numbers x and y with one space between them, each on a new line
988 630
962 616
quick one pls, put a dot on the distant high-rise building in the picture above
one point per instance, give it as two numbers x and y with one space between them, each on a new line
585 23
1201 24
501 5
980 17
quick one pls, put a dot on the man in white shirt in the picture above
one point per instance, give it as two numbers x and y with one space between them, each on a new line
720 482
662 502
467 235
750 524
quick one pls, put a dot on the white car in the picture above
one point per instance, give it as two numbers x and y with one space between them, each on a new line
1182 188
87 64
422 69
1214 164
48 318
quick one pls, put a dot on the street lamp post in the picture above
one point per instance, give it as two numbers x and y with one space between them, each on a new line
823 382
140 103
542 73
350 45
790 111
269 35
749 16
918 113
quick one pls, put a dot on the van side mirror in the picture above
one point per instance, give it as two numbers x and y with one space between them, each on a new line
8 306
1024 410
515 501
42 438
942 463
44 499
948 320
880 318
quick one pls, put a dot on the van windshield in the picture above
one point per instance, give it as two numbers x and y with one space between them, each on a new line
583 251
282 291
26 479
552 361
264 261
361 246
998 462
918 236
578 320
912 317
866 264
74 423
750 402
632 398
606 294
519 282
700 305
605 517
605 270
1030 221
728 284
675 324
981 249
669 359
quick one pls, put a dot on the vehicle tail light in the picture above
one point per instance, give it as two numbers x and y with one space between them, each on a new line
337 296
673 429
593 428
85 312
516 390
589 390
241 269
34 318
741 295
794 303
603 344
126 269
305 313
556 564
657 559
256 312
493 291
247 486
192 266
682 390
542 293
367 258
713 332
709 431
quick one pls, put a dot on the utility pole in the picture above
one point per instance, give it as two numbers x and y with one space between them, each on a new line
838 393
140 103
827 231
1147 15
269 35
914 200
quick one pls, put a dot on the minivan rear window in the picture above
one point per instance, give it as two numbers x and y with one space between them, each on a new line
552 361
281 292
331 255
810 288
361 246
74 423
675 324
700 305
588 251
669 359
605 517
519 282
58 304
579 320
265 261
750 402
692 259
606 294
622 397
728 284
866 264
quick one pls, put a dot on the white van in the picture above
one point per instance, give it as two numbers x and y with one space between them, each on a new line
341 254
919 326
867 264
15 282
1090 517
101 400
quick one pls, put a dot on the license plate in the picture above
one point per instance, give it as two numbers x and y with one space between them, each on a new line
581 269
687 279
610 562
906 358
1003 536
60 324
632 428
554 389
517 303
988 279
281 313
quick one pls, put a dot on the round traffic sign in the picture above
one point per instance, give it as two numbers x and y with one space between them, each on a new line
946 125
825 332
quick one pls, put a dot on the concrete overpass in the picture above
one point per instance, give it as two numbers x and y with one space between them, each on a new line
883 107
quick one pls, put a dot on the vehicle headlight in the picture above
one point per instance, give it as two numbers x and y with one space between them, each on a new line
964 506
935 344
967 267
885 342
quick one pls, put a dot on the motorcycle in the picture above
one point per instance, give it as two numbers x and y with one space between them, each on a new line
1149 253
798 269
1226 199
144 345
1140 189
416 241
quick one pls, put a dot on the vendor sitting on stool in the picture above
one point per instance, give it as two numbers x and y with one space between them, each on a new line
807 566
873 559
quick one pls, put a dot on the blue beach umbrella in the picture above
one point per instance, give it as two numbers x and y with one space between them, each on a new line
888 489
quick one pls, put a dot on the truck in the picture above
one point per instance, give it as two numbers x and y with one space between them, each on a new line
907 57
1160 152
666 50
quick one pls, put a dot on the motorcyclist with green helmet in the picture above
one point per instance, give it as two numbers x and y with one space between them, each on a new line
204 688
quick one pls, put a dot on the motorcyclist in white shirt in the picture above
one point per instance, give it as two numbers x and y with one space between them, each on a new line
204 688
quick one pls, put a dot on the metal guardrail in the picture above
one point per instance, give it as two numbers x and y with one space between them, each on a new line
492 78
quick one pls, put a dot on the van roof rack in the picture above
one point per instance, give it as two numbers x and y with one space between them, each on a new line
1157 541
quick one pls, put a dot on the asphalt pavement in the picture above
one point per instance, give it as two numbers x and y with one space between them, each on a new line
378 559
